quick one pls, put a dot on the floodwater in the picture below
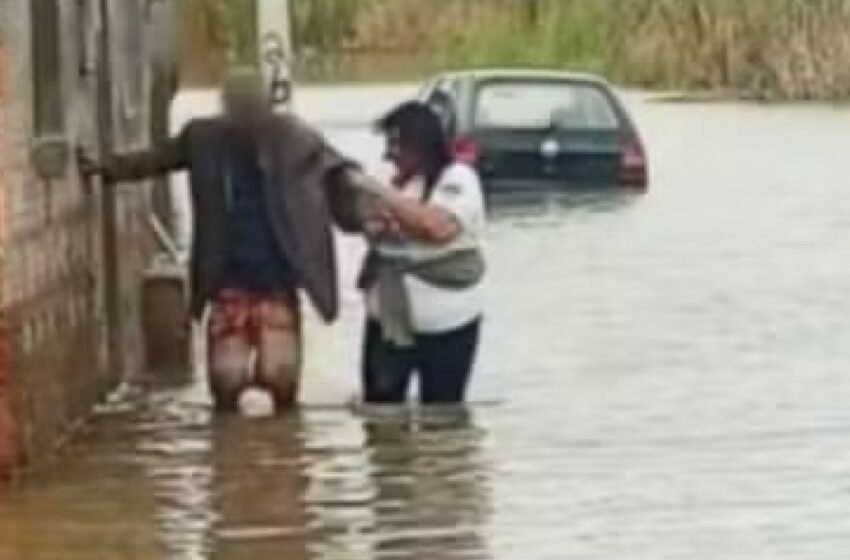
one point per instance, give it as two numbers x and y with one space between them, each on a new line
663 377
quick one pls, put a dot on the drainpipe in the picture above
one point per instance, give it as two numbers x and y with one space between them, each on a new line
106 144
161 27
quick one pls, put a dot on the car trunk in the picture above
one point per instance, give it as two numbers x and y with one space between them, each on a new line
550 157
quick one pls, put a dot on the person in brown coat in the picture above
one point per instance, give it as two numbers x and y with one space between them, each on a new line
266 189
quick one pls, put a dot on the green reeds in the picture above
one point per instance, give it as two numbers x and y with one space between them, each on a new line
762 49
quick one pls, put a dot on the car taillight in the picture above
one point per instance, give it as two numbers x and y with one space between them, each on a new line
633 164
465 150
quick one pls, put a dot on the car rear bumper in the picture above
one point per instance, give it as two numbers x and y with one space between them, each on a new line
497 187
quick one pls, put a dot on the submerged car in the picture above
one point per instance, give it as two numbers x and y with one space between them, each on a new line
531 130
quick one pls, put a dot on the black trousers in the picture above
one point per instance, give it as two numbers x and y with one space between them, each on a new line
442 361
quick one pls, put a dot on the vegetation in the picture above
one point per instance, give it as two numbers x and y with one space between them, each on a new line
214 34
763 49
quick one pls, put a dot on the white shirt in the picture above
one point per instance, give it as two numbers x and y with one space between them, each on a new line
433 309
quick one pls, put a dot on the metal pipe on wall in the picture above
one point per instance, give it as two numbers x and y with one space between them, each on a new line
106 144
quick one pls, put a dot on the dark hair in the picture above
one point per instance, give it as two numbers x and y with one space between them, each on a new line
420 129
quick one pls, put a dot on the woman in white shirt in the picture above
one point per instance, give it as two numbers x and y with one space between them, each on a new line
424 304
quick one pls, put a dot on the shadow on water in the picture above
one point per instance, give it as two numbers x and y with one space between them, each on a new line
164 475
518 204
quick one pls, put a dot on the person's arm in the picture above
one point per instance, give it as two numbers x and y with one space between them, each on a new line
357 203
142 164
348 205
454 205
381 209
421 221
352 208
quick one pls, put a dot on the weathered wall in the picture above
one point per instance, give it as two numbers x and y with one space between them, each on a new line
59 274
8 437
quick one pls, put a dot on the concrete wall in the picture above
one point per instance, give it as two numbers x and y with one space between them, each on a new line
71 256
8 448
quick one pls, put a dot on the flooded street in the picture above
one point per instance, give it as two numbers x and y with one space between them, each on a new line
662 377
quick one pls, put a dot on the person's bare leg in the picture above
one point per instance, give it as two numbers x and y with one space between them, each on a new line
278 368
228 371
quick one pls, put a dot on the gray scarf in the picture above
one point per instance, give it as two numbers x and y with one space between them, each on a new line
454 271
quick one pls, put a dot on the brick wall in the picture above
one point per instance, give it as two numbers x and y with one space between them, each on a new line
8 434
54 271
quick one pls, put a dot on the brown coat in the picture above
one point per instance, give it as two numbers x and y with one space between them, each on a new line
306 189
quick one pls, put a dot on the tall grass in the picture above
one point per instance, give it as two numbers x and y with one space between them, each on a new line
215 34
764 49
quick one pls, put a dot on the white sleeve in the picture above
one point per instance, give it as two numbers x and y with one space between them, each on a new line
459 193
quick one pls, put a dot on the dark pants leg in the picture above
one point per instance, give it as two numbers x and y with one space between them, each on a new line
445 362
386 369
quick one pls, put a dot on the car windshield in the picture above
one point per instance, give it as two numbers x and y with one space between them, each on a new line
541 104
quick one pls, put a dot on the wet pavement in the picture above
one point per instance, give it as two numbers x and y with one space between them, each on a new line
662 377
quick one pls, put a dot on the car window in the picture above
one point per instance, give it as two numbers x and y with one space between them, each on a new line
541 104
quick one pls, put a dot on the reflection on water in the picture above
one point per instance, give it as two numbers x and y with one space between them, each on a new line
166 479
540 208
416 472
319 484
666 378
261 465
173 439
314 487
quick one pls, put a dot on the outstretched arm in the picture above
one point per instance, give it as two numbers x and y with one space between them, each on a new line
349 192
142 164
354 200
425 222
397 213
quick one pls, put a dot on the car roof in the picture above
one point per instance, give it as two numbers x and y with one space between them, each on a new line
525 73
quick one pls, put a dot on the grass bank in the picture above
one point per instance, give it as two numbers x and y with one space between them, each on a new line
759 49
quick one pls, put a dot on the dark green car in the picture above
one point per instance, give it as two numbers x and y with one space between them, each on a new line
529 130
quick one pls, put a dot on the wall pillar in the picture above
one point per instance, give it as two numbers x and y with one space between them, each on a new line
9 444
67 296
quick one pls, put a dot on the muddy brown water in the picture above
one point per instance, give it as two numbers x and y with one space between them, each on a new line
663 377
